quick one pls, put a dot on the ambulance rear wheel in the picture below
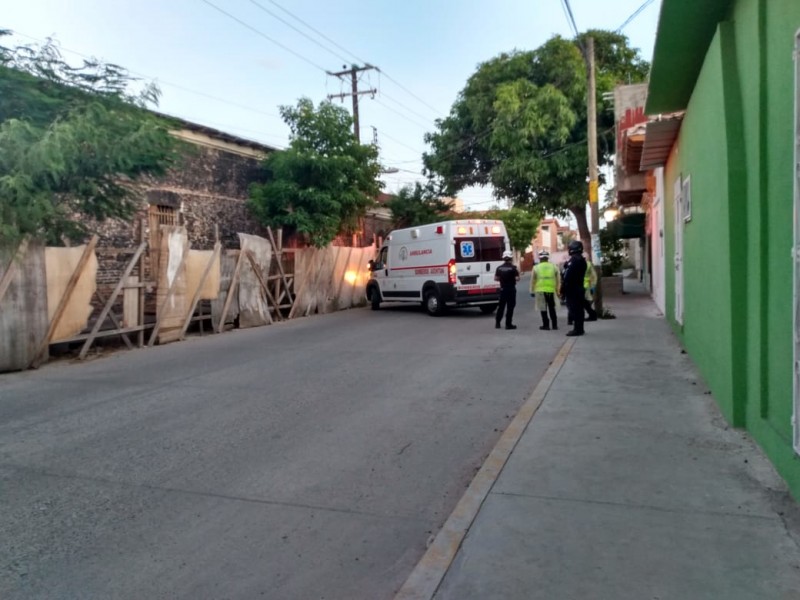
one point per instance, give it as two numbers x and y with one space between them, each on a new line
488 309
433 303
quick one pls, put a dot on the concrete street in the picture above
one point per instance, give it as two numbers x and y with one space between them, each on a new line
309 459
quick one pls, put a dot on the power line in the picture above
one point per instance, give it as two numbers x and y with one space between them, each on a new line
346 51
397 112
303 33
159 80
264 35
416 114
570 16
635 14
318 32
386 135
409 92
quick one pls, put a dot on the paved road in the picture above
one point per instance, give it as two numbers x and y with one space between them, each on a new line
307 460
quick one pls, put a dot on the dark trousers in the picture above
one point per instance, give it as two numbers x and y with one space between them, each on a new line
575 308
508 300
587 305
550 302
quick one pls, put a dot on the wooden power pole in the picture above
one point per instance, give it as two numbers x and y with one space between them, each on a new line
355 93
591 113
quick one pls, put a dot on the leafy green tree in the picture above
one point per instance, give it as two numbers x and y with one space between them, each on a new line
73 141
323 182
521 224
417 205
520 124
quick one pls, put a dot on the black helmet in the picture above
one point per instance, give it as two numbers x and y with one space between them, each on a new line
575 247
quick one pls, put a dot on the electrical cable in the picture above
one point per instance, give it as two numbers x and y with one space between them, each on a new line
358 59
304 34
571 17
387 136
318 32
397 112
416 114
635 14
264 35
159 80
407 91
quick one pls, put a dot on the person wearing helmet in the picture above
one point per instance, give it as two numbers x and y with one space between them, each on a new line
508 276
574 273
545 284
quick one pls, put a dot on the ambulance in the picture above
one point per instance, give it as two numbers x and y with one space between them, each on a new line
442 265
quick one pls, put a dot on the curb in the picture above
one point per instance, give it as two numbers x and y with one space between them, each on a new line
434 564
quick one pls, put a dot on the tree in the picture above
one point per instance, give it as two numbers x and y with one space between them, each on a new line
417 205
323 183
520 124
73 141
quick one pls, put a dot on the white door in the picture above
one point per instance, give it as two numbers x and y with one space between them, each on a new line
658 246
796 249
678 251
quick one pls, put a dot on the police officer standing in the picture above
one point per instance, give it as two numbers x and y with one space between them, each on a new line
574 273
508 276
545 283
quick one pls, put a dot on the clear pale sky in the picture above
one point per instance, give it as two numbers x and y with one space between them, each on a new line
215 71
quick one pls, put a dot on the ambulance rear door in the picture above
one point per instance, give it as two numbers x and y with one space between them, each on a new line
478 252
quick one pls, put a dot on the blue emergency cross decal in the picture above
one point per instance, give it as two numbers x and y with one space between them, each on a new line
467 249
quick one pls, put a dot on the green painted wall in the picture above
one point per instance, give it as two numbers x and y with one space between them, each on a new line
701 156
780 22
736 144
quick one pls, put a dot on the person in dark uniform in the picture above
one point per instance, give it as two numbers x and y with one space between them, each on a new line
572 285
508 276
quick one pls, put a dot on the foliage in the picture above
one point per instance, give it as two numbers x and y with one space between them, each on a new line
520 124
613 250
73 140
417 205
323 182
520 223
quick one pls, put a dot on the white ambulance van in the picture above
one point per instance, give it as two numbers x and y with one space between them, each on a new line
447 264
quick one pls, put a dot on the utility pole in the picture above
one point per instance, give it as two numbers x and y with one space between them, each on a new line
353 71
594 206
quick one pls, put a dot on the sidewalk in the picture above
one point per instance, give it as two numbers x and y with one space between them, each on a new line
625 484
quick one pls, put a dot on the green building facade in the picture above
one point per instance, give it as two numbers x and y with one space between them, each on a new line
729 197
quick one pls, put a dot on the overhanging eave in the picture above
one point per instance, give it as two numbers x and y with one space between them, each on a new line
685 31
662 132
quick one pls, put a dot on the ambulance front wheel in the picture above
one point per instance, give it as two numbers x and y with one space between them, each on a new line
488 309
374 298
433 303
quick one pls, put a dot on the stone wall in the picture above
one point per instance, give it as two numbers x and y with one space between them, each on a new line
208 189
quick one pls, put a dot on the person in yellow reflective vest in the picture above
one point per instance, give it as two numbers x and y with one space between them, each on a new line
590 286
545 284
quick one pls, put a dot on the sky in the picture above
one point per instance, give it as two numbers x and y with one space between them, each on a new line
230 64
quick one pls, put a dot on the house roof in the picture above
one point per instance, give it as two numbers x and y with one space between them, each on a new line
662 132
219 135
685 31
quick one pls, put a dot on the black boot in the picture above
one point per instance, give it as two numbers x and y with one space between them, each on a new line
545 322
